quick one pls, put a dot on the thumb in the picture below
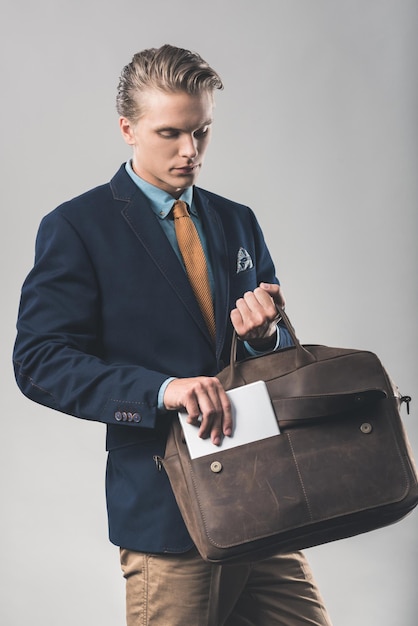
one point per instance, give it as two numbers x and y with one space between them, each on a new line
275 291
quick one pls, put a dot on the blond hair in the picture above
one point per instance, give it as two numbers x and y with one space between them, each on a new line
167 69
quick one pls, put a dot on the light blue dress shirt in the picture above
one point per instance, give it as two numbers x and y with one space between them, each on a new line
161 203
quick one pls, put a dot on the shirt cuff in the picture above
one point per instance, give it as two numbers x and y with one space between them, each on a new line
161 391
253 352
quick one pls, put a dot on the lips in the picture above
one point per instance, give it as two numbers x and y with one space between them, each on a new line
187 169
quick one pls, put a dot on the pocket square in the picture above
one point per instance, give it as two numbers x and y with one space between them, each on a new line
244 261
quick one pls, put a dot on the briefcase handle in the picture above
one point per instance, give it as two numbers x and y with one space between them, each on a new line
302 355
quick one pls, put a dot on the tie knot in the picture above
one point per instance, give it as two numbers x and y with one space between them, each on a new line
180 209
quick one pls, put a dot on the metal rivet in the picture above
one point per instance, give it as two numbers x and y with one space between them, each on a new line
216 467
366 428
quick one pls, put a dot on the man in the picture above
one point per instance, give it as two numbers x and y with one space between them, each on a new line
113 327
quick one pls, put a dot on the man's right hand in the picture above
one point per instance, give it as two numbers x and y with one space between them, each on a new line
203 397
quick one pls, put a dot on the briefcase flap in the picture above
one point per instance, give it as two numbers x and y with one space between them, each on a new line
331 381
334 384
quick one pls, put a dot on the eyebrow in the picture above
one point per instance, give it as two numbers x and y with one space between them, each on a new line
171 128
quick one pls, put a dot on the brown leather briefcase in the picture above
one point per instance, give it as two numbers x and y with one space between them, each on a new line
340 466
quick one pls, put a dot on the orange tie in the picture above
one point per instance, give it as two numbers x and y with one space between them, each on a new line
194 261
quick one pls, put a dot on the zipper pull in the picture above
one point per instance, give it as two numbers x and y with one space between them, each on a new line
158 462
407 400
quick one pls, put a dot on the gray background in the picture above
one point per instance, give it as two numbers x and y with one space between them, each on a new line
317 131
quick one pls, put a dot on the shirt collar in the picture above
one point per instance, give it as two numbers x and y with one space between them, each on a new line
161 201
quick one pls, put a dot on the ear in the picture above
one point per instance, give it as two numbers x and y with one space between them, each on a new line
127 130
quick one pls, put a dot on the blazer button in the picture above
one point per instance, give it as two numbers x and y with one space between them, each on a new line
124 416
136 417
118 416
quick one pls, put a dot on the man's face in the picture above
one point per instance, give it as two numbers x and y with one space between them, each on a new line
169 140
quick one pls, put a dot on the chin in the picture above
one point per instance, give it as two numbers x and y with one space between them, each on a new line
185 181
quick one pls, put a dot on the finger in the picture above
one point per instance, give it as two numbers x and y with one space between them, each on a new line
275 292
257 307
223 426
210 407
208 414
245 319
217 421
227 422
264 300
239 317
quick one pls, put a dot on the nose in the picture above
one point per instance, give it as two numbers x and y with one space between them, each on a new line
188 147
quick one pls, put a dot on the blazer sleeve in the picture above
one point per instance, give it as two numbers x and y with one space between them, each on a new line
267 273
58 358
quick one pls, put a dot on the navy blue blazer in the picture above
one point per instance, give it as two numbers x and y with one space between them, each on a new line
107 314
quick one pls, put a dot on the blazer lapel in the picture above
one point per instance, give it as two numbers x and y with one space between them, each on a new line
217 244
141 219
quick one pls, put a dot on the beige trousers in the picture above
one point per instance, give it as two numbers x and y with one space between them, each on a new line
184 590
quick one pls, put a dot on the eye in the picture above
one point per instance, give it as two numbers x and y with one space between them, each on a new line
169 133
201 132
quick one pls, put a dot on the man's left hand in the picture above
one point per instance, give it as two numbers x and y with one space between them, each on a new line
256 315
